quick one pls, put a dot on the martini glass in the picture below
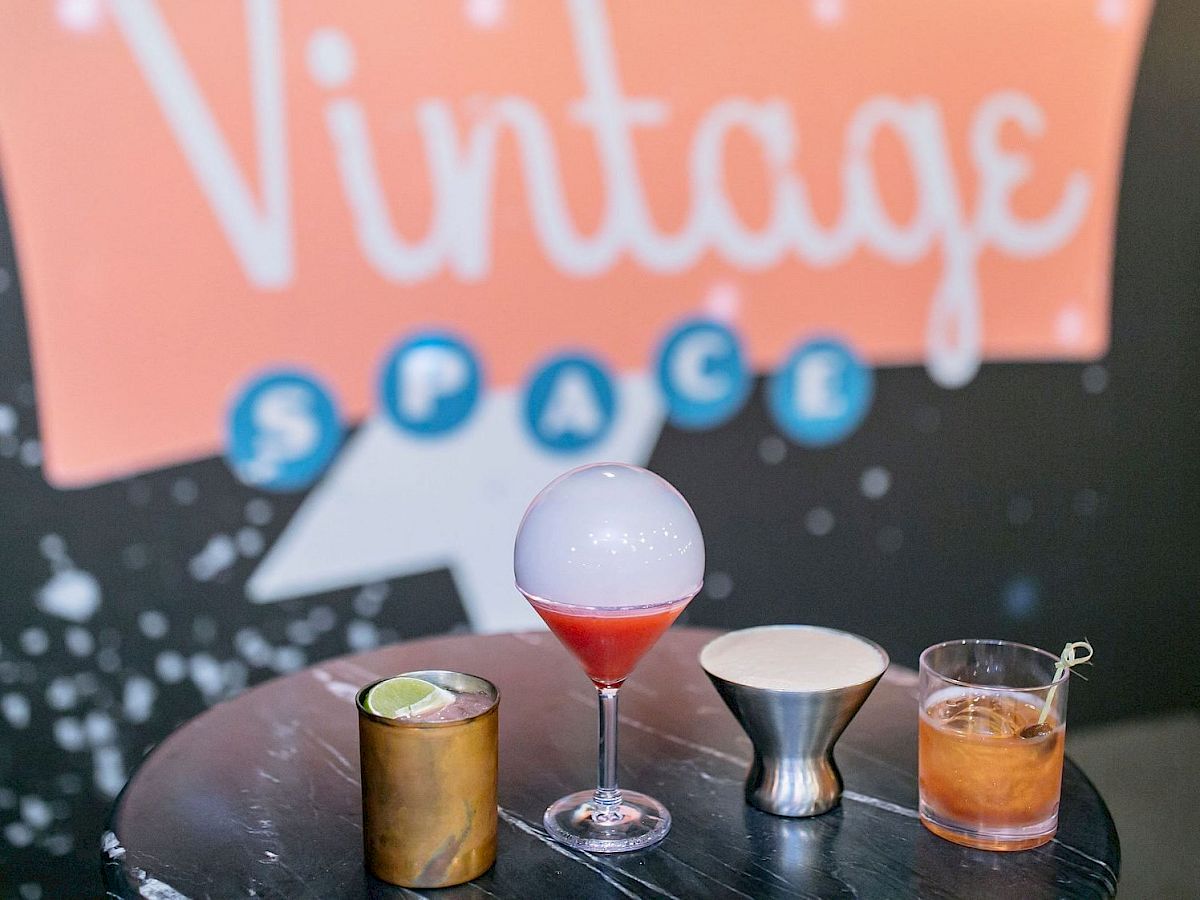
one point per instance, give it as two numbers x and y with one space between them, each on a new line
608 555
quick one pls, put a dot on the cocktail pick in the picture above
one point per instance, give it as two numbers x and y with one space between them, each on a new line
1065 662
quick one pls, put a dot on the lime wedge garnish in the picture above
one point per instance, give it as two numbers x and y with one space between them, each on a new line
401 697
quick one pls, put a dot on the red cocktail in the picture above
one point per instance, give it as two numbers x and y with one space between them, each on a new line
608 643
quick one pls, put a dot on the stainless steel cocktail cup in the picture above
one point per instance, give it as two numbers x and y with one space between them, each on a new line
793 733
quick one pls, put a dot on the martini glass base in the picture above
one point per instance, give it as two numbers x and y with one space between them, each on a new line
641 822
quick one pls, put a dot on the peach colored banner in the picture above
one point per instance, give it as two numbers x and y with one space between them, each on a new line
199 190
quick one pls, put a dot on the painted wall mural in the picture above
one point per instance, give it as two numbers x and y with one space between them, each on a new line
300 304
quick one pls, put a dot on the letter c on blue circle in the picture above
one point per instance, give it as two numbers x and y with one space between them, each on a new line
429 384
702 374
821 393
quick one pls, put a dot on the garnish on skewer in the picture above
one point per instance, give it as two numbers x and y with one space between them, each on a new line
1067 660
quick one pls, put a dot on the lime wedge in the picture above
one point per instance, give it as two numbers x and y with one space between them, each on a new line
401 697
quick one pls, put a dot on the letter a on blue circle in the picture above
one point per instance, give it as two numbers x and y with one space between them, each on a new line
283 429
570 404
821 393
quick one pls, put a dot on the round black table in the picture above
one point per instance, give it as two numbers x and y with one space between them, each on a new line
259 796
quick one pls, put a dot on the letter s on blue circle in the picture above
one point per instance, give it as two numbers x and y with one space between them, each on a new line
282 431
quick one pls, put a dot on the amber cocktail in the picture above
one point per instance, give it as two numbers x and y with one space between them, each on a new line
990 761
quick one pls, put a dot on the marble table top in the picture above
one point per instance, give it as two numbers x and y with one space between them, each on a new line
260 797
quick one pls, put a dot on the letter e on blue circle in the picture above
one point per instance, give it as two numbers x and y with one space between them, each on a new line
283 430
821 393
570 404
702 374
429 384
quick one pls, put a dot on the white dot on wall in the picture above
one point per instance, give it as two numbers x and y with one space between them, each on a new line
249 541
1094 378
718 585
253 647
79 641
1069 326
137 698
18 834
828 12
80 16
875 482
108 660
322 618
772 450
362 635
484 13
69 734
61 693
170 667
31 453
1111 12
300 632
818 521
889 539
330 58
723 302
184 491
369 601
8 419
206 674
234 674
54 548
59 844
258 511
108 770
288 659
36 812
31 890
16 710
99 728
153 624
34 641
70 594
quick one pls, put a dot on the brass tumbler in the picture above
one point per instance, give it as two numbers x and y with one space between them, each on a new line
429 790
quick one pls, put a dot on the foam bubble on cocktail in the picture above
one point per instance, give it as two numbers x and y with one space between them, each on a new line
793 658
609 535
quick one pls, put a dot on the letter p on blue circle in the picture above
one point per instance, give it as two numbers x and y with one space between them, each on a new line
821 393
429 384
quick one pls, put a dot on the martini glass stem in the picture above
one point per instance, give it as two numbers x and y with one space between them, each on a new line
607 798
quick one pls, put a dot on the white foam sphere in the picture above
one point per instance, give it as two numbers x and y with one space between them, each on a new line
609 535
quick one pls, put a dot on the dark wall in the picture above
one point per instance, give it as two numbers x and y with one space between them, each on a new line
1042 503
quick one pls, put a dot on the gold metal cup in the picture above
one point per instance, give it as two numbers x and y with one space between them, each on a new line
429 790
